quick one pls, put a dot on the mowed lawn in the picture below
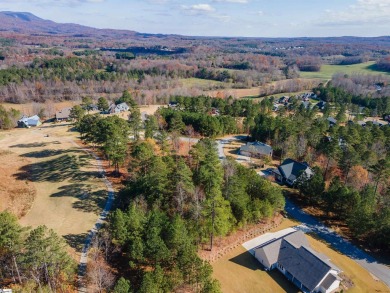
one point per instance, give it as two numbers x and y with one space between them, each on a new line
327 71
239 271
69 194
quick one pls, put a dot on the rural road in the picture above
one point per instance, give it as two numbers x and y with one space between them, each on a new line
368 262
98 223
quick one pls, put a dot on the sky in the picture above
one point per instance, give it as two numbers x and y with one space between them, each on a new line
244 18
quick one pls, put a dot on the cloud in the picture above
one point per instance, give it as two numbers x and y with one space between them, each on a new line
362 12
198 8
232 1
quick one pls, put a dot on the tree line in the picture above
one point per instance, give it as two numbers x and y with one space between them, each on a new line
352 165
34 260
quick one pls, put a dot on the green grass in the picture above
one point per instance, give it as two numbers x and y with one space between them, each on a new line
327 71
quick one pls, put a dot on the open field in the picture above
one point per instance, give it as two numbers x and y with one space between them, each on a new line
327 71
69 194
202 83
239 271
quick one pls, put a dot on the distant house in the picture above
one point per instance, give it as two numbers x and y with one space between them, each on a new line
306 104
283 100
63 115
122 107
361 123
290 170
27 122
214 112
331 121
292 256
321 105
173 104
256 149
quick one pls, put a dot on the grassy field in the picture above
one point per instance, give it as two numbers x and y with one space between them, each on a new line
327 71
69 194
240 272
201 83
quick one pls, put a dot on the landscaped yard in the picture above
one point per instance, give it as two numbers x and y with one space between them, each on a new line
239 271
327 71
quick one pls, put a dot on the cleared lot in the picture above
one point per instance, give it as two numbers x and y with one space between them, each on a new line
69 194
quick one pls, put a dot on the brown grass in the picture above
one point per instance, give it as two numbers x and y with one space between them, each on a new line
16 196
69 194
238 271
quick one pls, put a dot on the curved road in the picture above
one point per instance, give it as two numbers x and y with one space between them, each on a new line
380 271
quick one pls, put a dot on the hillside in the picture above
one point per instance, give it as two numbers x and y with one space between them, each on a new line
28 23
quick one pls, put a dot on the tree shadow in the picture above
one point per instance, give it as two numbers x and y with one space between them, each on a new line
76 241
56 170
247 260
34 144
46 153
87 201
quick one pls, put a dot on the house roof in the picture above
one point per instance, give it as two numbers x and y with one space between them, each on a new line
294 254
291 169
64 113
305 266
329 280
257 148
270 250
331 120
33 120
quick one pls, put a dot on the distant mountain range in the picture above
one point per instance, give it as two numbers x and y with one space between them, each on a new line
28 23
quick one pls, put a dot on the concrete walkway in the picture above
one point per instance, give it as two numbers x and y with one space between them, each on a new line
379 270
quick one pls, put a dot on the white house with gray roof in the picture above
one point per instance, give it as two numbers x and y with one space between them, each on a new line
122 107
256 149
291 254
28 122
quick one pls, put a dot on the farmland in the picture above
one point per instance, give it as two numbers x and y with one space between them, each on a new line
327 71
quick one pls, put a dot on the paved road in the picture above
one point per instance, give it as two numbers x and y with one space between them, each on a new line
380 271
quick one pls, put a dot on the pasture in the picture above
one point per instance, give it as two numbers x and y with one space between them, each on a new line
327 71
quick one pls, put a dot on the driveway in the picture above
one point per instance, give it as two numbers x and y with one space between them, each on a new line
380 271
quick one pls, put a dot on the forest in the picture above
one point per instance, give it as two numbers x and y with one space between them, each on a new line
172 205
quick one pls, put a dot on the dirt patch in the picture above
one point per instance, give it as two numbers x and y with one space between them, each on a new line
17 196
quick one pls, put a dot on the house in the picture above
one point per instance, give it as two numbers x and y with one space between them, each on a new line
122 107
332 121
173 105
283 100
306 104
27 122
292 256
361 123
321 105
290 170
214 112
63 115
275 107
256 149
